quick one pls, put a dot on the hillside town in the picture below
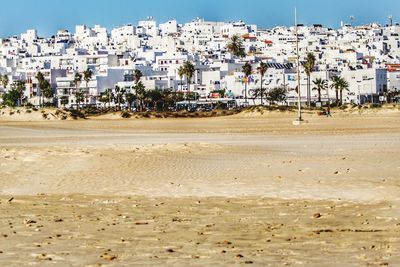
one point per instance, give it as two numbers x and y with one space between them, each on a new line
230 63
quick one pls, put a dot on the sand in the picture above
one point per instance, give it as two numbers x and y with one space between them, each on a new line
214 191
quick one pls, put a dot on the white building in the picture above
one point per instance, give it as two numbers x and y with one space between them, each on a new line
368 57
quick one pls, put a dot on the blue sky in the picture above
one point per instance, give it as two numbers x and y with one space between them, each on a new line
49 15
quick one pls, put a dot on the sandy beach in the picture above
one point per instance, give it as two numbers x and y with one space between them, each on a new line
220 191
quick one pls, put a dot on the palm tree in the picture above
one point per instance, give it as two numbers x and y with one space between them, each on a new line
130 98
141 93
181 73
103 98
109 95
47 90
247 70
154 97
87 76
344 85
235 46
309 66
119 93
40 77
320 84
138 75
77 82
45 87
262 69
189 72
169 98
336 80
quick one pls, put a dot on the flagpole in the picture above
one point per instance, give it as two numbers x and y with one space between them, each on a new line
298 68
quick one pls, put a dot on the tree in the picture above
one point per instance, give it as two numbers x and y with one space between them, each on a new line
169 98
11 98
335 85
64 100
137 75
189 72
130 99
47 91
109 96
119 93
181 73
309 67
262 69
45 86
78 94
339 84
4 81
153 98
14 97
247 70
106 97
79 97
235 46
87 76
320 84
344 85
259 93
277 94
140 90
40 77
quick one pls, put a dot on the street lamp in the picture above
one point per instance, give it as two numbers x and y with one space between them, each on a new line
359 94
300 118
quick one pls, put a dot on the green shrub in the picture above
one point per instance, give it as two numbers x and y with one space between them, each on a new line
125 115
376 106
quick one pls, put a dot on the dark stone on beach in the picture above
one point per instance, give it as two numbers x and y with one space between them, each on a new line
317 215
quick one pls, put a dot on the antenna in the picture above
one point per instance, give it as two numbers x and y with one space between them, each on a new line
298 67
352 19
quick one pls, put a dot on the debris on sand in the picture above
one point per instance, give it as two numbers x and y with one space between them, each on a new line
44 257
29 222
317 215
108 257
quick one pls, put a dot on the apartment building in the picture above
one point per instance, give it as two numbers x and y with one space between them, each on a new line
366 56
